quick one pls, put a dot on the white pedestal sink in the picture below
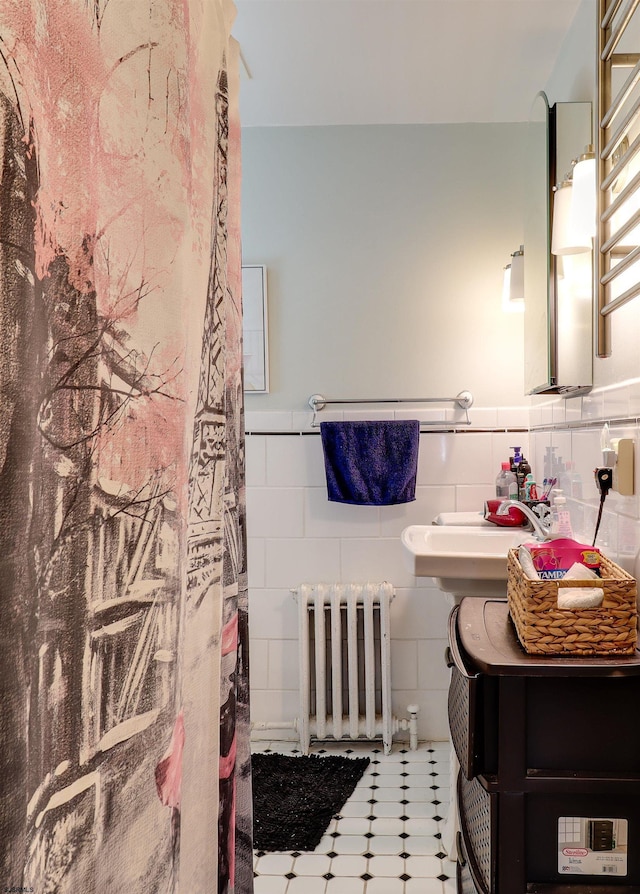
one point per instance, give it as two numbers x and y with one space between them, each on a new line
464 560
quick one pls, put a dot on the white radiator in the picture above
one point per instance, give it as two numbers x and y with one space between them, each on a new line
345 675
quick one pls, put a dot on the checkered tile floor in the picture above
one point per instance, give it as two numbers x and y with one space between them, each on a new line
387 837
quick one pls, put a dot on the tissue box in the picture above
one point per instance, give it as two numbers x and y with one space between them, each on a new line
545 629
553 559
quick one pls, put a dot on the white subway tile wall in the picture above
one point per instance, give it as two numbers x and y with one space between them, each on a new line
276 511
296 535
579 449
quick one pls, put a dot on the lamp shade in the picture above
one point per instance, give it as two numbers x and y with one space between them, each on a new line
506 287
510 305
516 287
565 238
583 199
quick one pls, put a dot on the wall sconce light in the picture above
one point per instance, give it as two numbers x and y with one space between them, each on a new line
506 286
562 241
574 208
513 283
583 200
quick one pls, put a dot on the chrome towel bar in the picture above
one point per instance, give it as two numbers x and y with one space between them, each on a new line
464 400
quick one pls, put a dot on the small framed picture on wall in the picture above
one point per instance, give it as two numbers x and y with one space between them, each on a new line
255 329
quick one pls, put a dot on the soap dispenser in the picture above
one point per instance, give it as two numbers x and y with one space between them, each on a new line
515 460
521 468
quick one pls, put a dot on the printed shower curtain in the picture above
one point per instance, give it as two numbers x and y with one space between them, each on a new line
124 762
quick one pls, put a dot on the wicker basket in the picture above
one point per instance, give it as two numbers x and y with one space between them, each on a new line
544 629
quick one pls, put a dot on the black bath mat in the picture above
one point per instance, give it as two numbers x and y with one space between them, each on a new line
294 798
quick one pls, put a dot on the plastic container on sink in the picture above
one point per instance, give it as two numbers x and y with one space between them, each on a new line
514 517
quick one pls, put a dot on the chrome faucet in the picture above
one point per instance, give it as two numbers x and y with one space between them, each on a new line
541 531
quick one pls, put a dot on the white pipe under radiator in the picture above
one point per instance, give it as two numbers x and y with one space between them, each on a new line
356 731
337 606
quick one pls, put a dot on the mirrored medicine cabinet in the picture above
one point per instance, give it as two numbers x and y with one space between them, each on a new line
558 320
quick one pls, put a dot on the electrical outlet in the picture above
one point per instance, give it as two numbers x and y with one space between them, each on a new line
623 469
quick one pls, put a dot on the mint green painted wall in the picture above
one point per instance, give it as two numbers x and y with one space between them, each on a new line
385 248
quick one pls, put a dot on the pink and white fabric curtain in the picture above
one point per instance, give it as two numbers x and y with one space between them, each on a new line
124 730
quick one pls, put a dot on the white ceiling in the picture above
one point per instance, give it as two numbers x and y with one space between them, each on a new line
319 62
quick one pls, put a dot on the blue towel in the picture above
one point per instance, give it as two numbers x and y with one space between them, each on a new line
371 463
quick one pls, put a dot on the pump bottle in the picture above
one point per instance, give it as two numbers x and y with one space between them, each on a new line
560 517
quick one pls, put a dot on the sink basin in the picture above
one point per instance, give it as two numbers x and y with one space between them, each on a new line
464 560
473 519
